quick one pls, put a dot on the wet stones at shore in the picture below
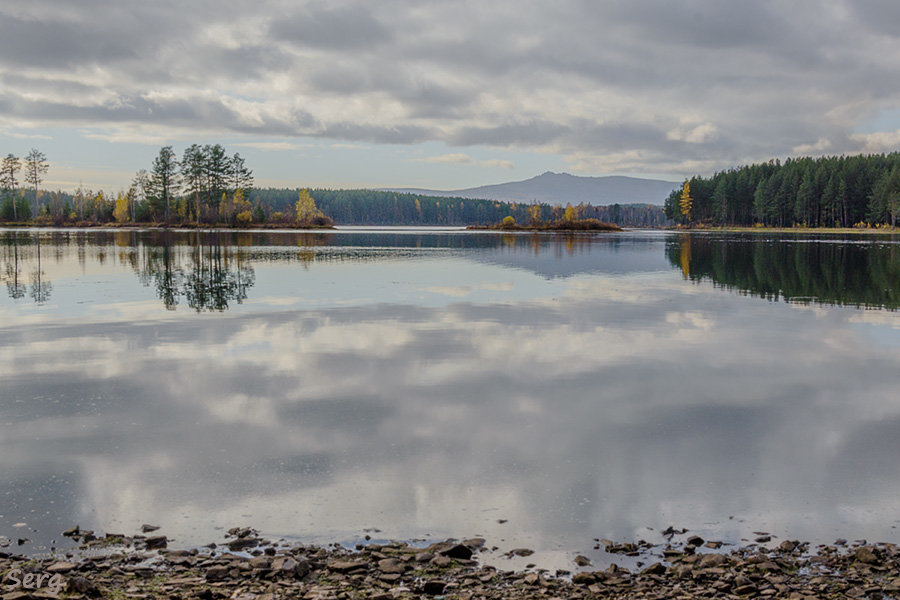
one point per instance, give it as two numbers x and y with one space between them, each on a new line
396 571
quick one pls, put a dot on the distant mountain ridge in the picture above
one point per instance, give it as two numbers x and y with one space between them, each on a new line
563 188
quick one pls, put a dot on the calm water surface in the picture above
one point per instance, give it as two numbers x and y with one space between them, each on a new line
433 383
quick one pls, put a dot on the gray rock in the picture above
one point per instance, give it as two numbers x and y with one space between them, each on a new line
582 561
147 528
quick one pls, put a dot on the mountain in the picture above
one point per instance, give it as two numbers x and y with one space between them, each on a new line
563 188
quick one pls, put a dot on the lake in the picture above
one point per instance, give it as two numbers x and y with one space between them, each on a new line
539 390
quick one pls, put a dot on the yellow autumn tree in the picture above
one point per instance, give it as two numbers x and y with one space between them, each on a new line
226 208
306 207
686 203
242 208
570 214
121 210
534 213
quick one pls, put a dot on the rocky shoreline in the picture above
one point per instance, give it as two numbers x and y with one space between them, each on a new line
246 567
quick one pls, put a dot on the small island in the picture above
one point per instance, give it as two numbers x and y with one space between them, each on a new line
509 224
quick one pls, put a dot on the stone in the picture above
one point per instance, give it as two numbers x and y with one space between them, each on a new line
787 546
434 587
582 561
217 573
242 544
80 585
521 552
391 565
866 554
458 551
584 578
441 561
157 542
72 532
655 569
284 564
695 540
532 579
60 567
147 528
712 560
346 566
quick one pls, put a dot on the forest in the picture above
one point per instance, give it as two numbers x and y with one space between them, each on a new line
835 191
207 186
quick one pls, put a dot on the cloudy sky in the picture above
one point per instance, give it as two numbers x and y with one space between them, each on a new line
446 94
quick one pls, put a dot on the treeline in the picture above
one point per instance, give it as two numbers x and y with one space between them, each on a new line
207 186
377 207
835 191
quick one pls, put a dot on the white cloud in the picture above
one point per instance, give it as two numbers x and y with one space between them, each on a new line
455 158
458 158
273 146
821 145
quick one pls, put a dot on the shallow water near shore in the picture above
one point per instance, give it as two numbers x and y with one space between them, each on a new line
538 390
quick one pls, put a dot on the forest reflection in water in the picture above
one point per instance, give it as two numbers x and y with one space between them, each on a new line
213 270
861 272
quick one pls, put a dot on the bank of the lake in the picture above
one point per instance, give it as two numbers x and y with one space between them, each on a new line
165 226
565 225
796 230
245 566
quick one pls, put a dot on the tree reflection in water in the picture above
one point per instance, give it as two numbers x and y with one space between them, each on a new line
24 252
824 270
207 274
